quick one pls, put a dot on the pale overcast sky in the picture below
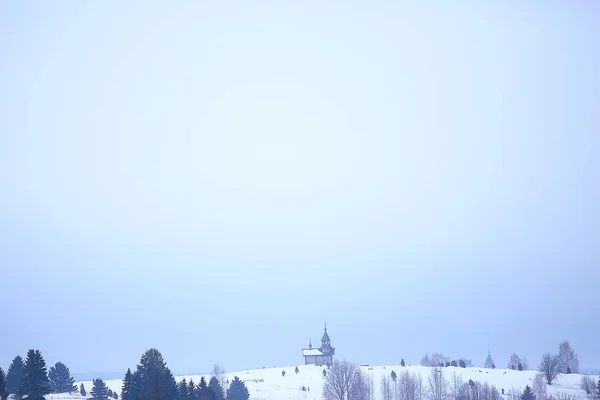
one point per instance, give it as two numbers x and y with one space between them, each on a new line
218 179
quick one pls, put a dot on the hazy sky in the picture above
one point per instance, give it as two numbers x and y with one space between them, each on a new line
218 179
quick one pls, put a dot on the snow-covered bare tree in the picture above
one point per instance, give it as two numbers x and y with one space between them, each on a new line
515 360
345 381
514 394
539 387
219 373
565 396
385 387
550 367
371 387
456 383
569 361
437 385
588 385
410 386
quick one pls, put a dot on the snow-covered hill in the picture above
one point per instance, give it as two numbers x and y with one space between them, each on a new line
269 384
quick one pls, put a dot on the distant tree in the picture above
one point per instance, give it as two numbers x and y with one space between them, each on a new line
345 381
296 370
34 383
303 388
527 394
204 392
3 390
447 364
402 362
471 383
453 363
520 367
324 372
109 393
192 390
463 364
115 396
283 373
61 380
82 390
215 386
588 385
156 382
394 376
568 359
182 389
550 367
237 390
437 384
131 386
14 375
515 360
99 390
219 372
493 366
539 387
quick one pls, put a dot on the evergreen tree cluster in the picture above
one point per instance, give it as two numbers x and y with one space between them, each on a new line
61 380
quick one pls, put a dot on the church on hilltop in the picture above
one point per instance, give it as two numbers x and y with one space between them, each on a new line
321 356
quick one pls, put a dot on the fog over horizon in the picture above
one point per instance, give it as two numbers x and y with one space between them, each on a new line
217 180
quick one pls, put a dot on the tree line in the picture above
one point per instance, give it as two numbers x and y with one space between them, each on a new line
151 380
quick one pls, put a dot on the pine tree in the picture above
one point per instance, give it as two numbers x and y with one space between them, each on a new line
156 381
99 390
527 394
237 390
296 370
324 372
520 367
402 362
61 380
447 364
14 375
130 388
283 373
453 363
599 388
116 395
192 391
82 390
34 383
204 392
182 389
463 364
215 386
394 376
3 391
110 393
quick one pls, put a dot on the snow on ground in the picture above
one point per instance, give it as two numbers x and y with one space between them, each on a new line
269 384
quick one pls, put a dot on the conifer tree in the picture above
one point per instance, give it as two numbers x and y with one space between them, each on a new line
34 383
130 388
109 393
61 380
3 391
182 388
216 388
453 363
115 396
463 364
394 376
204 392
82 390
99 390
192 391
402 362
599 388
527 394
14 375
156 381
237 390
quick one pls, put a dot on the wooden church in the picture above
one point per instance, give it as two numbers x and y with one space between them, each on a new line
321 356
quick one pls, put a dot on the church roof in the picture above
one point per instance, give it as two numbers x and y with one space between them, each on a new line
325 337
312 352
488 361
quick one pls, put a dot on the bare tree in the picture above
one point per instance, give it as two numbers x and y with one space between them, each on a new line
515 360
219 373
409 386
437 385
565 396
435 360
550 367
345 381
514 394
539 387
569 361
588 385
371 387
455 385
386 388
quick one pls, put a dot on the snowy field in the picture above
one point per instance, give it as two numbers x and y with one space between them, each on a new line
269 384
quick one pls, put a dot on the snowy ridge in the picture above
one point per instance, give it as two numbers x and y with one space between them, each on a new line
269 384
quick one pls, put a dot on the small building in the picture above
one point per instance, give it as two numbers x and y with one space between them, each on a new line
321 356
489 363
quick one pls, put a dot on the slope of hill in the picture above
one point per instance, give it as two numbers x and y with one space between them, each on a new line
269 384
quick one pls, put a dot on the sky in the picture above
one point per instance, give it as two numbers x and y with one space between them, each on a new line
217 180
